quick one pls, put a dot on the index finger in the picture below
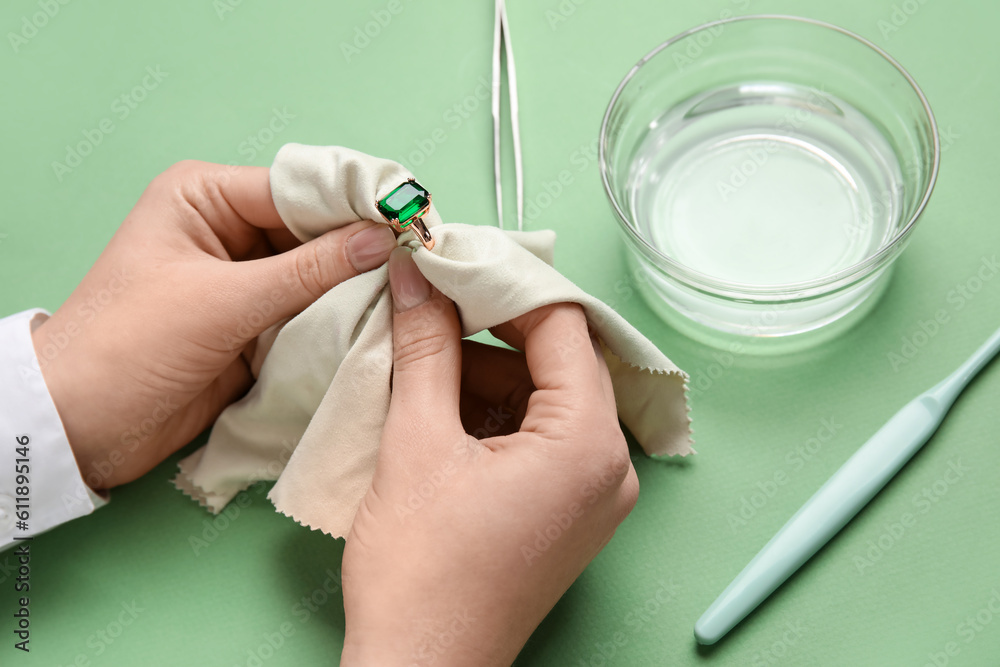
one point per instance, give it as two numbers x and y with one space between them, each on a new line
564 367
234 202
248 192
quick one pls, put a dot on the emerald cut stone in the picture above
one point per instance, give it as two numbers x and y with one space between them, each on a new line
404 203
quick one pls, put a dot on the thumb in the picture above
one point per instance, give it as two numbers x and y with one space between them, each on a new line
427 352
285 284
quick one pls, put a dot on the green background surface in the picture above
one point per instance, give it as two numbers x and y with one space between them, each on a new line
226 74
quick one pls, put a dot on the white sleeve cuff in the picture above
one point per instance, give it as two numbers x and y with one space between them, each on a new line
56 490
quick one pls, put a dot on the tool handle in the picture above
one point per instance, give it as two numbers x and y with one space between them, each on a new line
837 501
948 389
823 515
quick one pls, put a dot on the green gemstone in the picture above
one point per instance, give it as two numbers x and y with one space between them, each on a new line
404 203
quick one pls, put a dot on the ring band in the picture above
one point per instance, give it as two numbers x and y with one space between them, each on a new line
404 207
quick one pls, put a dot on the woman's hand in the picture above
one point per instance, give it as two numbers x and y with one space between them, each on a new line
157 339
463 544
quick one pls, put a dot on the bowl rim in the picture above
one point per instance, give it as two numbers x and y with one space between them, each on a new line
789 291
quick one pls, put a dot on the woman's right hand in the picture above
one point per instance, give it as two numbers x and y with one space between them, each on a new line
463 544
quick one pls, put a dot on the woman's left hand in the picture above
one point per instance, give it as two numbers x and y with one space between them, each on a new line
157 338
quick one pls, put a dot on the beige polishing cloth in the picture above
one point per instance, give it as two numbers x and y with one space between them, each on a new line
314 418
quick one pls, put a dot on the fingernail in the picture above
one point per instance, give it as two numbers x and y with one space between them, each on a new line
370 247
409 287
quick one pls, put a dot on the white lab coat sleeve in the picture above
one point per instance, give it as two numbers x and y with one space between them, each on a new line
47 489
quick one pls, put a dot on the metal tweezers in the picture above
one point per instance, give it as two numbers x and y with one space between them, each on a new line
501 32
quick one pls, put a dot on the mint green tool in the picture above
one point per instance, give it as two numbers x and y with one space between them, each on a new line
837 501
